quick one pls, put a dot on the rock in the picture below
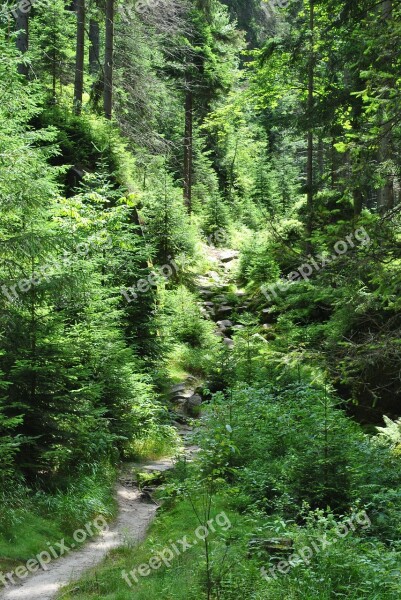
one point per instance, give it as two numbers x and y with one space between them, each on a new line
228 342
238 327
225 323
218 333
193 404
229 255
180 387
241 309
214 275
208 304
205 292
195 400
224 310
240 293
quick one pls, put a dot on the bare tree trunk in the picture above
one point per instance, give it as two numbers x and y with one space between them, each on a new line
358 201
22 40
386 193
320 159
79 57
309 168
109 59
188 149
94 47
387 9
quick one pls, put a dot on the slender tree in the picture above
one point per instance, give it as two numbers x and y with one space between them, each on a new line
311 92
386 193
79 56
188 148
94 46
22 40
109 59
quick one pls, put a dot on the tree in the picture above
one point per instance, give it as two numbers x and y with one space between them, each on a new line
109 59
94 46
22 40
80 56
310 116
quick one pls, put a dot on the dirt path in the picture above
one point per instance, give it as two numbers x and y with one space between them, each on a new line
135 515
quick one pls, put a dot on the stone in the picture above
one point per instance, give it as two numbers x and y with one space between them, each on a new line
214 275
224 324
228 342
224 310
195 400
180 387
229 255
218 333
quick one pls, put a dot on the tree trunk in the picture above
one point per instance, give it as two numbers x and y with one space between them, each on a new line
94 47
188 149
309 168
358 201
22 40
79 57
386 193
320 159
109 60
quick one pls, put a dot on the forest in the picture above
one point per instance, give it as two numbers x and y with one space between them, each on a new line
200 313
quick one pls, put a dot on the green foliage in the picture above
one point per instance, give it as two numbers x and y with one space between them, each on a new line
257 266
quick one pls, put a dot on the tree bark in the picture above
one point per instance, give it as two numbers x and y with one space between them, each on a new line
22 40
386 193
309 168
94 47
188 149
79 57
109 59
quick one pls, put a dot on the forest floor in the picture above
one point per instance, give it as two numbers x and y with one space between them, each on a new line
136 510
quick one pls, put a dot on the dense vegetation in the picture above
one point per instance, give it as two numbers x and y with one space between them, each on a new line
136 139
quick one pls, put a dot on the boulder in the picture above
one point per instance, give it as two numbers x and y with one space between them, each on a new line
223 311
225 324
180 387
229 255
218 333
195 400
228 342
214 275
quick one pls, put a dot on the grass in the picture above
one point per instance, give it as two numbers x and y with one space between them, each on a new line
184 579
186 360
160 441
41 519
